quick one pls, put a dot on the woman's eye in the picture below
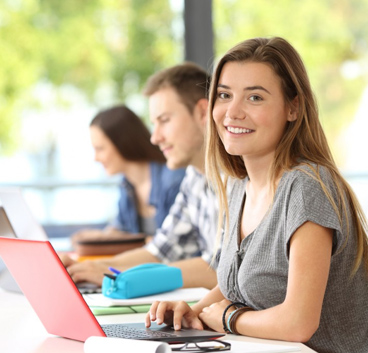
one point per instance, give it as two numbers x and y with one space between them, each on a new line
255 98
223 95
164 120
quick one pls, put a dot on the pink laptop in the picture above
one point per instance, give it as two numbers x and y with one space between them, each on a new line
59 305
50 290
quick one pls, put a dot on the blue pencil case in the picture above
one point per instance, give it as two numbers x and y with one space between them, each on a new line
142 280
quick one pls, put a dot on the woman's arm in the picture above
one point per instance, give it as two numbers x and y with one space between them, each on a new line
297 318
211 297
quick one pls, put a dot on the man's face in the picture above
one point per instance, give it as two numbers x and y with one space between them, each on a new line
178 133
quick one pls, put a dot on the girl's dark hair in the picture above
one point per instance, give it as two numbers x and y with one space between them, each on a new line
128 133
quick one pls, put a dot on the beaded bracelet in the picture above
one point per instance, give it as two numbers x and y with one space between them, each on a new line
224 315
232 318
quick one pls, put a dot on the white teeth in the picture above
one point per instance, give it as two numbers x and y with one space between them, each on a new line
237 130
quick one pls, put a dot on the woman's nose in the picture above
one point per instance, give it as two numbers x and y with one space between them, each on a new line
235 110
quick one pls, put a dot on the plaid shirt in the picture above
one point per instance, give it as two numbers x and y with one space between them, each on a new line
189 230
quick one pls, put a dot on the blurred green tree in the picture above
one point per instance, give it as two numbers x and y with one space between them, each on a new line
80 43
119 43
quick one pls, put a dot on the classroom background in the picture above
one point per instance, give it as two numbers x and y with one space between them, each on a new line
62 61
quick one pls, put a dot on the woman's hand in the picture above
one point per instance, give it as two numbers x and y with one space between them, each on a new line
88 271
85 271
66 259
178 314
212 315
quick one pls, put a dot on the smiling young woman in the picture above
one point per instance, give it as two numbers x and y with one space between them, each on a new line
294 254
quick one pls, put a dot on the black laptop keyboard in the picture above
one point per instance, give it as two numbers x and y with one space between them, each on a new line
124 331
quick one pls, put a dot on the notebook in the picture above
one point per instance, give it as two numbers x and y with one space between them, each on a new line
60 306
25 226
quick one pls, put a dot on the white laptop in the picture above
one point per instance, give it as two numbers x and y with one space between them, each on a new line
18 221
20 216
6 229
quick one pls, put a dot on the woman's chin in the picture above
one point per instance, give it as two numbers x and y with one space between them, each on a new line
110 172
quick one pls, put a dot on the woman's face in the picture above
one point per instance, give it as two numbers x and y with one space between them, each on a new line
250 111
105 152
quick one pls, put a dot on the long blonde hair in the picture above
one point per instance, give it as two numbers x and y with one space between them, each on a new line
303 138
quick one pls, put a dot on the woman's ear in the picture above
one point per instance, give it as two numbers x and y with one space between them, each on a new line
294 109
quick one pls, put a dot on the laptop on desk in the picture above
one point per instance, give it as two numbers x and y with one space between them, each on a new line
6 229
17 221
60 306
20 215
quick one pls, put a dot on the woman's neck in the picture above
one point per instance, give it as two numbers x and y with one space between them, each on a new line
258 171
138 173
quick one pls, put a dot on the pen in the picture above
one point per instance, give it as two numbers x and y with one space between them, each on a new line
114 270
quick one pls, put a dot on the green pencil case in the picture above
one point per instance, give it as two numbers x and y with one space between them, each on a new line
142 280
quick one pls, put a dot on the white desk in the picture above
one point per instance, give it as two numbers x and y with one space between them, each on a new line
22 332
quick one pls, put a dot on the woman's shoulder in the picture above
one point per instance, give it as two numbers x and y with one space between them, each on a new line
165 175
308 178
308 172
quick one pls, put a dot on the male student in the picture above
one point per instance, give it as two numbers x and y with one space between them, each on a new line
178 111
